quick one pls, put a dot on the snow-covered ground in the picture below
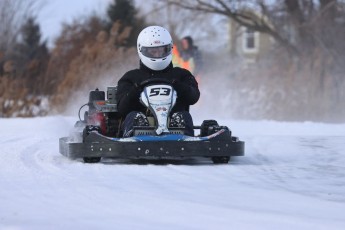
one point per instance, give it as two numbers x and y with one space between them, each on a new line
292 177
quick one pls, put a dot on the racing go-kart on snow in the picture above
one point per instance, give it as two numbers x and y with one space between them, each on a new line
99 134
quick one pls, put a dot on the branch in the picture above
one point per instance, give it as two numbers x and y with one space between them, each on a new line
243 17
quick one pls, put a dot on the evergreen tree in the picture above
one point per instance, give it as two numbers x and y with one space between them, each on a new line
125 12
31 47
122 10
32 56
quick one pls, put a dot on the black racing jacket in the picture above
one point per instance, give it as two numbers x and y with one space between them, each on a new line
128 92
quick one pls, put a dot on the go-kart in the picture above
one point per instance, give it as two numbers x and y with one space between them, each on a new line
99 134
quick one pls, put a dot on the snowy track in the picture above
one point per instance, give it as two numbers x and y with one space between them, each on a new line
292 177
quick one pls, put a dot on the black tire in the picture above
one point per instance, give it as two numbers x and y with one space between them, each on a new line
235 139
209 127
221 160
205 127
88 129
91 160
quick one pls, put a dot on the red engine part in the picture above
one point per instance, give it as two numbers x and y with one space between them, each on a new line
99 119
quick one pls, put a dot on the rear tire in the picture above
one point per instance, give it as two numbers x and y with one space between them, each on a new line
221 160
91 160
205 127
209 127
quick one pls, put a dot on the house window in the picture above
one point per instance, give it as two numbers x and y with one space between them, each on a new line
250 40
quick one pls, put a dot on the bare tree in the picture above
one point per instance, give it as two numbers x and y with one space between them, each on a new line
13 13
280 18
241 12
179 21
311 30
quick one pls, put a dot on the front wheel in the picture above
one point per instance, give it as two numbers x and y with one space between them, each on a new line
221 160
91 160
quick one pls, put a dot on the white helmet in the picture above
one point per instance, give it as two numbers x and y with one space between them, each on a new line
154 46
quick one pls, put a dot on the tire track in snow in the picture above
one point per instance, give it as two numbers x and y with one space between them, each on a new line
306 171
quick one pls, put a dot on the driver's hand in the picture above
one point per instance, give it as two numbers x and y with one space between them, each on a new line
179 86
135 91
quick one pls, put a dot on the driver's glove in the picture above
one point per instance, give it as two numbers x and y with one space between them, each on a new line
135 91
179 87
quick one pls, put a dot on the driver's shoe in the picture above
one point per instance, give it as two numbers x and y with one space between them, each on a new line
177 120
140 120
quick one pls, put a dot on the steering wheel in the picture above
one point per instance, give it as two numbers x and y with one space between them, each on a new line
153 81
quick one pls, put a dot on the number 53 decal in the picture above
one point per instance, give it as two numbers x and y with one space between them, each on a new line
160 91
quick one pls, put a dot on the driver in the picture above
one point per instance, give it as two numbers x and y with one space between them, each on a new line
154 46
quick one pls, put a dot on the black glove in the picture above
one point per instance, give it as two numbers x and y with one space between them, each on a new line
179 87
135 91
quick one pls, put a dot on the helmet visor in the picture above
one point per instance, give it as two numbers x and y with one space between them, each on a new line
156 52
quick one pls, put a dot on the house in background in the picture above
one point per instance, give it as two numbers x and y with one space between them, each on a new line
247 44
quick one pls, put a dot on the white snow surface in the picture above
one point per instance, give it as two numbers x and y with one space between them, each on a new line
292 177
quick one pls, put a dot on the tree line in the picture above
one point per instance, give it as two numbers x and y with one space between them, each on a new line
31 74
304 72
